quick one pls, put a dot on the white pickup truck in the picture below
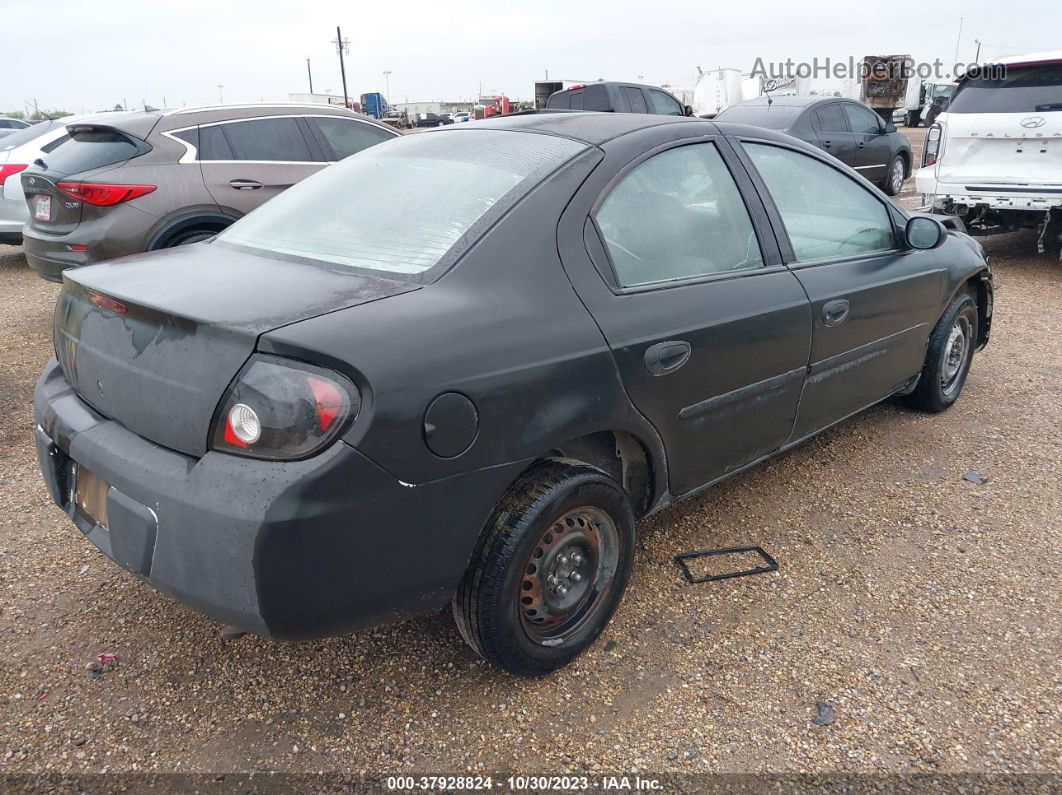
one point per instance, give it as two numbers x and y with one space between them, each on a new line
994 157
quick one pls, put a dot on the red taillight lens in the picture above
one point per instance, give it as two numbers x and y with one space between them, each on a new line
8 169
932 147
282 409
102 195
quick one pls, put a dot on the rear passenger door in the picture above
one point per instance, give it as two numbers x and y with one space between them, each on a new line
246 162
834 134
872 150
710 332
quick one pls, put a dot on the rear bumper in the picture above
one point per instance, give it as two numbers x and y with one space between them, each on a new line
291 549
996 197
121 231
12 218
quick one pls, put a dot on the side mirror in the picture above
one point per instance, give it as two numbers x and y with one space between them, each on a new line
923 232
687 110
890 127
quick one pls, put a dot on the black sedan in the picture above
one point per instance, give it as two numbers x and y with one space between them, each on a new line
848 130
458 366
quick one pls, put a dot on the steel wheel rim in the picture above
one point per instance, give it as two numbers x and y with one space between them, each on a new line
568 575
897 175
956 351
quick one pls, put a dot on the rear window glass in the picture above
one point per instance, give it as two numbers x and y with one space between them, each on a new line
560 99
272 140
86 150
27 134
1024 90
402 206
773 117
595 98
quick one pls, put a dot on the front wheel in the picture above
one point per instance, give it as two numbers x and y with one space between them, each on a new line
948 357
549 570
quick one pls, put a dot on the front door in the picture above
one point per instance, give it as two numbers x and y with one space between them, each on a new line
873 302
710 332
247 162
872 147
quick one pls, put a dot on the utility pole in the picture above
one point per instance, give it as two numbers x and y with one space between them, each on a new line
342 47
387 81
220 100
309 74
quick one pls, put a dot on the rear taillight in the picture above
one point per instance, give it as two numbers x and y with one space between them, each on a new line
8 169
934 138
283 409
103 195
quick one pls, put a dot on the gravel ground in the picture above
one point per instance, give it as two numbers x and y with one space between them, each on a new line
917 605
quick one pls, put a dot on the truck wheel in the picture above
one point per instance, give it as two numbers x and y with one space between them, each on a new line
895 176
948 357
549 569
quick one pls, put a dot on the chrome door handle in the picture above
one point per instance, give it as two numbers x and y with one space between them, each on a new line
245 184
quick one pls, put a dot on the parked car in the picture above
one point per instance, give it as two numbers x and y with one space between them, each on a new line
446 118
462 116
992 157
147 180
618 98
17 152
847 129
9 125
355 405
428 120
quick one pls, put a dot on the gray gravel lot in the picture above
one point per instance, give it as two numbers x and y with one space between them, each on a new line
923 609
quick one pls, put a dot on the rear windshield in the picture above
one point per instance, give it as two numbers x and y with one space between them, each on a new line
86 150
27 134
773 117
1029 89
401 206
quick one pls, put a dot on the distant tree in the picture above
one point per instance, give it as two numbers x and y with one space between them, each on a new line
15 114
41 115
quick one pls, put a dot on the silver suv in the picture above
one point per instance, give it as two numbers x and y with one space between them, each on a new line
155 179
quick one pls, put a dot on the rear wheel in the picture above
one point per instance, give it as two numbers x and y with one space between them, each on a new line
895 176
549 570
948 357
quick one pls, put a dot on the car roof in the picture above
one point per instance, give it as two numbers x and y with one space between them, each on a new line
1049 57
597 127
791 100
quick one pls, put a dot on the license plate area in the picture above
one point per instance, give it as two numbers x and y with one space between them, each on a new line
90 497
42 207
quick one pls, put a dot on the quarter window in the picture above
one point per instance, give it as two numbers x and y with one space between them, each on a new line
267 139
826 213
677 215
664 104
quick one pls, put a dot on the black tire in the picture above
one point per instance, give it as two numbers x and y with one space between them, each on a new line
190 236
895 176
944 372
510 607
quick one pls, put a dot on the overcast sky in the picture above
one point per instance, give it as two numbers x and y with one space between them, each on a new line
83 55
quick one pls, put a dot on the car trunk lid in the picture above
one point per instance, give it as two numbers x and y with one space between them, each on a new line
1001 149
153 341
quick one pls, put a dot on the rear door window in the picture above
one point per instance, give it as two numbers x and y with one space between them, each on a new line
863 121
595 98
212 144
1031 89
92 148
663 104
343 137
830 118
270 140
634 96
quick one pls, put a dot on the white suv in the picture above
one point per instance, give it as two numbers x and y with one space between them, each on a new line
994 158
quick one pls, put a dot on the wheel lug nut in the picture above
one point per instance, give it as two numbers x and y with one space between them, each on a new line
576 577
577 558
563 560
562 589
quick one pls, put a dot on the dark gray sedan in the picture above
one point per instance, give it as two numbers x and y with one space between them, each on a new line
848 130
456 367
